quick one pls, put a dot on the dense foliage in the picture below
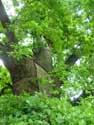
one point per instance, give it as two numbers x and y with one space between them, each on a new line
66 27
41 110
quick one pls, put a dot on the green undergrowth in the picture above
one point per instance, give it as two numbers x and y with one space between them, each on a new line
41 110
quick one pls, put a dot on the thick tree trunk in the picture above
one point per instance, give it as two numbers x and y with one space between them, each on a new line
24 77
26 72
21 72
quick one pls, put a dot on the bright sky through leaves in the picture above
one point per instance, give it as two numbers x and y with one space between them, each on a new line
9 7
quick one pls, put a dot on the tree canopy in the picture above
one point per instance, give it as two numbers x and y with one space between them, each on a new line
47 48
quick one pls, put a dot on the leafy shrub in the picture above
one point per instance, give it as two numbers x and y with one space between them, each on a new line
4 77
41 110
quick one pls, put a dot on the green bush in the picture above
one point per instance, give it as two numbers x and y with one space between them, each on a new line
41 110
